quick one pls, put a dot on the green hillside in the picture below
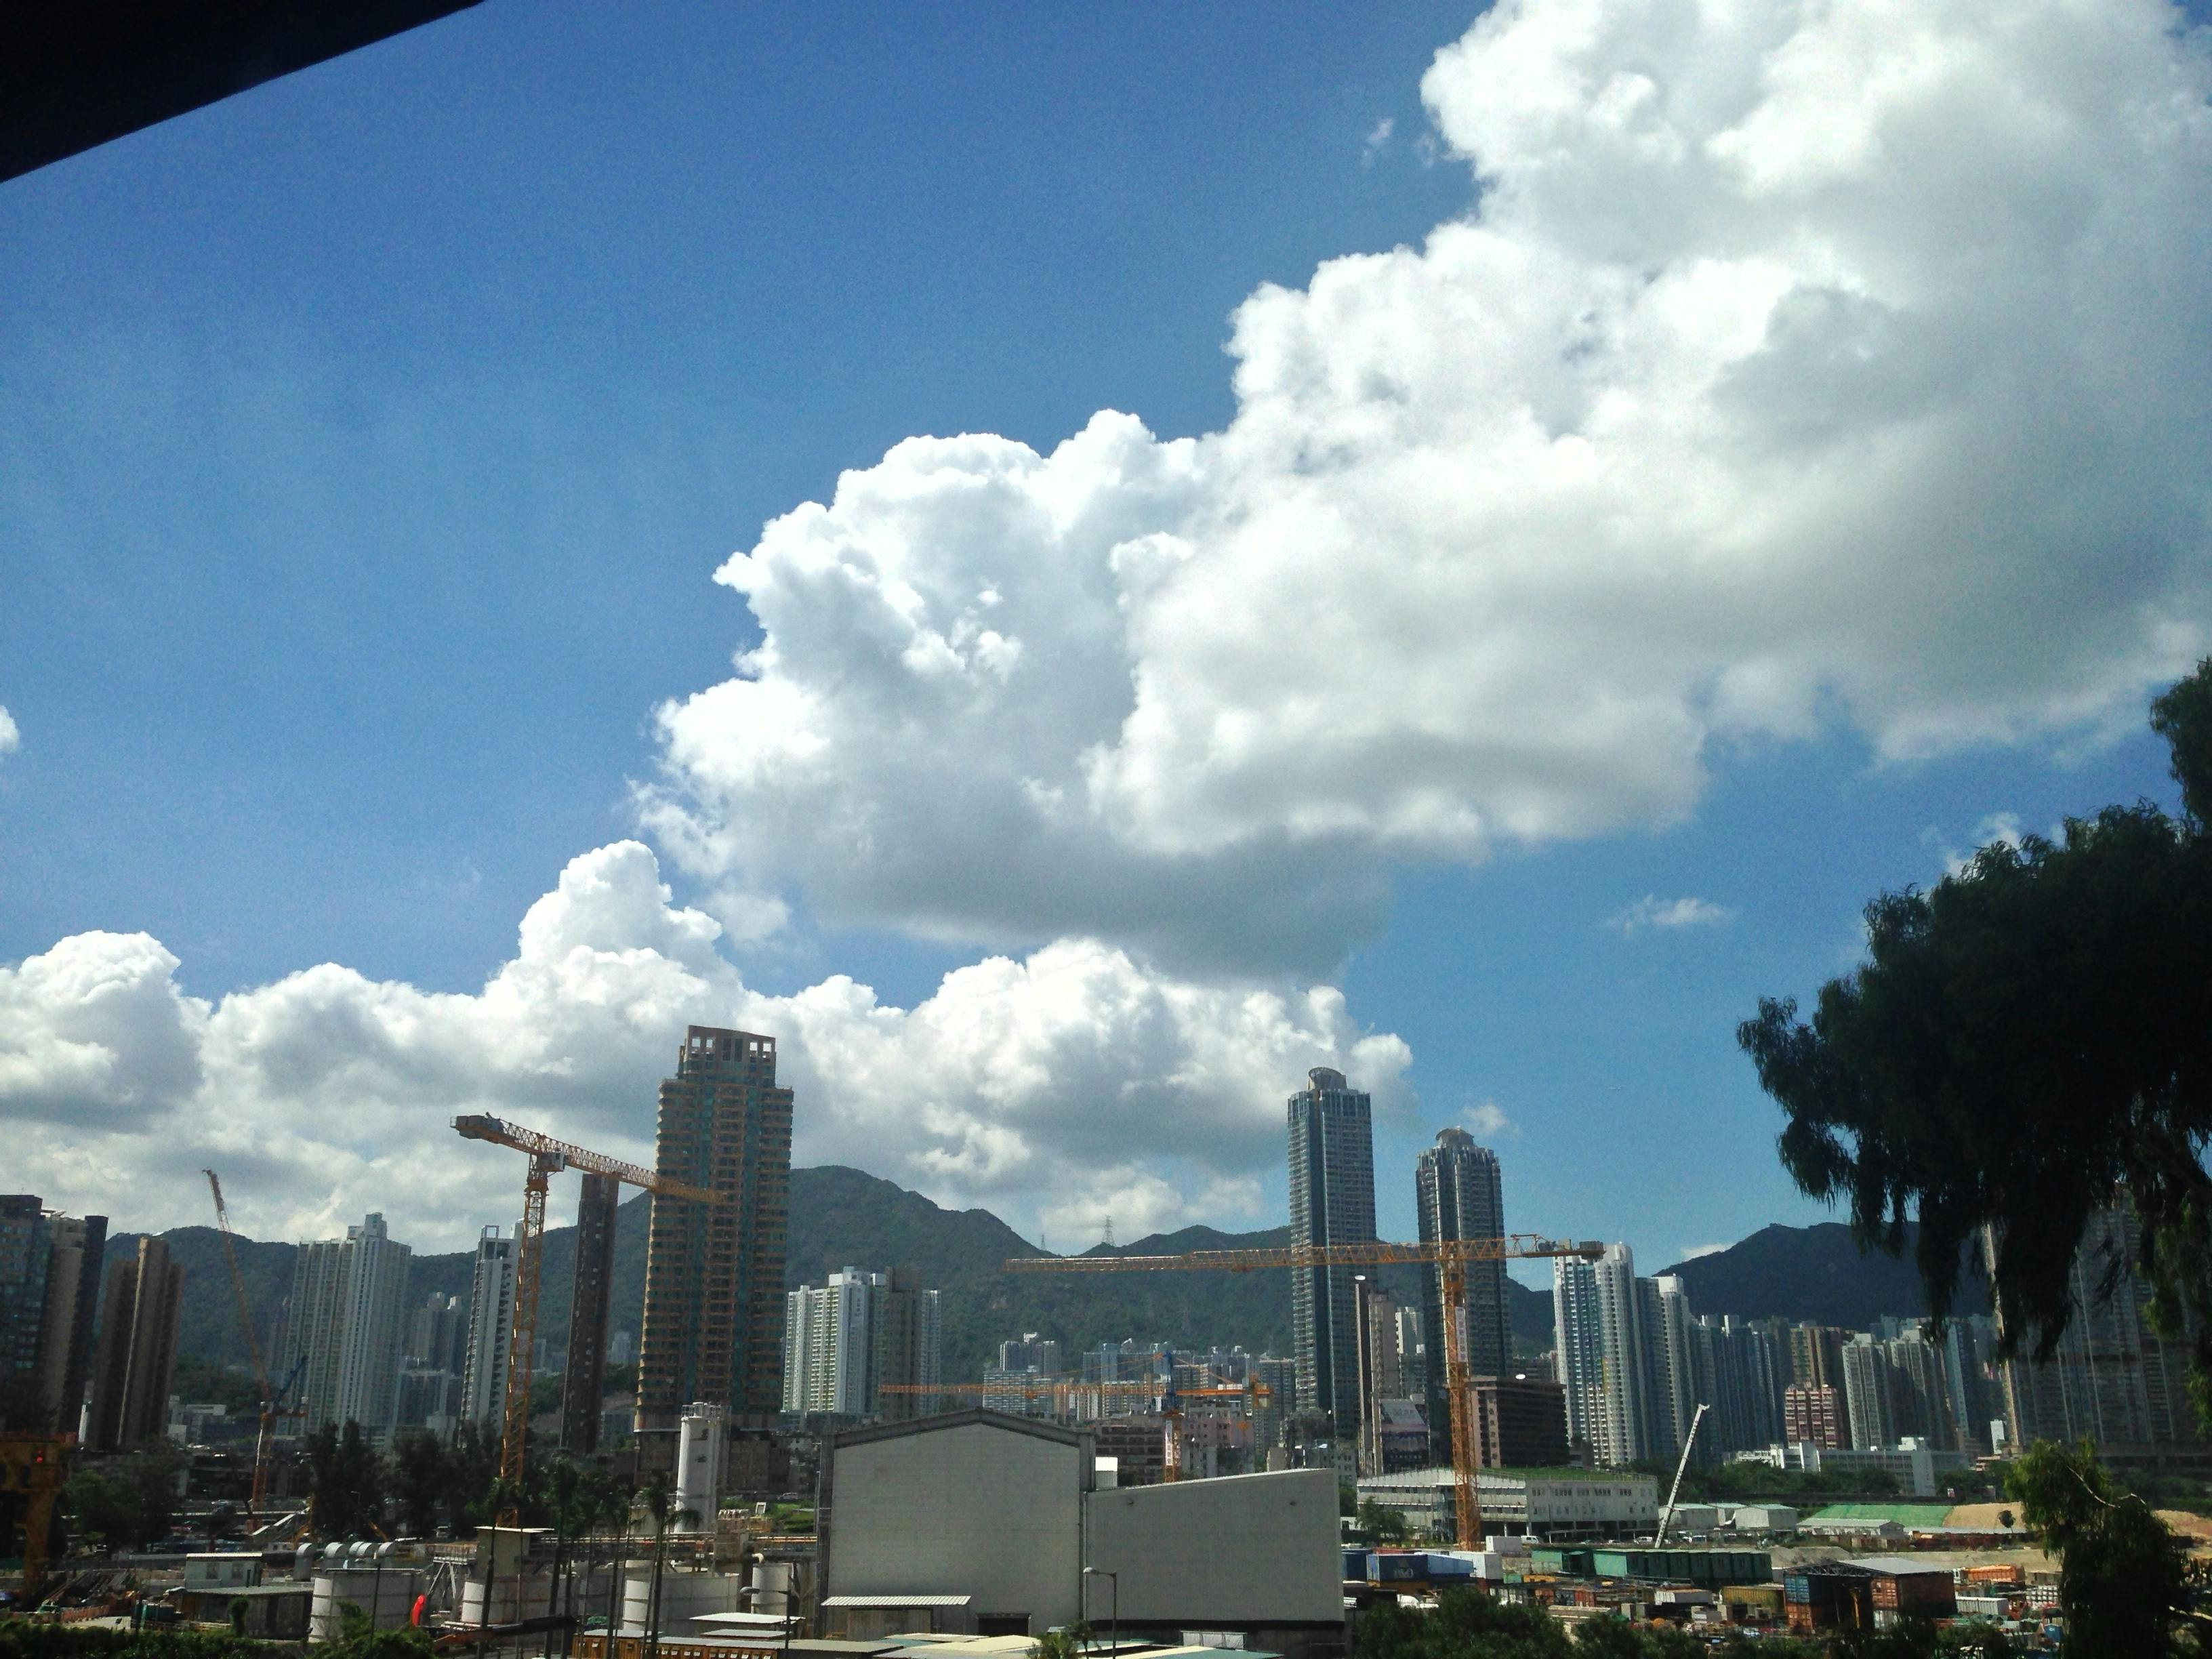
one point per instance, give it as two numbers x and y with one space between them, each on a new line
843 1217
207 1326
839 1218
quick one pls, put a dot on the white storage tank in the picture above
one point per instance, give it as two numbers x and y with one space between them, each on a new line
774 1585
684 1594
702 1449
387 1595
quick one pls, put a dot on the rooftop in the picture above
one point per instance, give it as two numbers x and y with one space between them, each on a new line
1441 1475
1905 1514
1898 1566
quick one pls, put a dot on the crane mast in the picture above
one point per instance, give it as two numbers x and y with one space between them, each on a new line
1673 1492
271 1399
1449 1255
546 1157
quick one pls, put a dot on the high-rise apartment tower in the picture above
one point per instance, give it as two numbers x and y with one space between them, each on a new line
1619 1391
25 1243
714 1272
583 1378
2113 1381
77 1247
1459 1193
845 1342
491 1333
138 1353
350 1323
1332 1202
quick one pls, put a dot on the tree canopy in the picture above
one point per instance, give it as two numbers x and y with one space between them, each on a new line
2122 1580
2028 1042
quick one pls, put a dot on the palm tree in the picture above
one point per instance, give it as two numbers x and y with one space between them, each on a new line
564 1484
613 1508
660 1504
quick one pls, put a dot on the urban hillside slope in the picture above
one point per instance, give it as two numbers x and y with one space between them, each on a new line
842 1217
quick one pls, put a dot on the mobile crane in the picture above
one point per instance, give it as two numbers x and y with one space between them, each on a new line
272 1399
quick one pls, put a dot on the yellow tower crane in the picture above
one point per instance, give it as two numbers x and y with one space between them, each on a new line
1450 1255
548 1158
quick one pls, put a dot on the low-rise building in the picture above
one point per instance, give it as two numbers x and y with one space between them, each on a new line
1138 1446
980 1524
1534 1502
1768 1518
1827 1595
1252 1554
1520 1422
1904 1588
1708 1569
1915 1466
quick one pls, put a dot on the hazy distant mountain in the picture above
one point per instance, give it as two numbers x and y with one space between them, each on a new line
843 1217
1814 1275
839 1218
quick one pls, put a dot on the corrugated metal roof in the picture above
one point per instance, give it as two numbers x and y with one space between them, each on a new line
1898 1566
916 1601
1905 1514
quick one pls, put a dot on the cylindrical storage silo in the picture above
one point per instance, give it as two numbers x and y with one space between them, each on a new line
701 1447
775 1583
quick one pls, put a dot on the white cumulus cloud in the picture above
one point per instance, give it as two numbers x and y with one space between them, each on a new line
1071 1079
1797 365
1652 911
1998 828
10 737
1488 1120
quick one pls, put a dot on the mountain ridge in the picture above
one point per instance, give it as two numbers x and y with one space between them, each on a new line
844 1216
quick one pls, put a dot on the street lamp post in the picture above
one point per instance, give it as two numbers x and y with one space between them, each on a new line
1114 1604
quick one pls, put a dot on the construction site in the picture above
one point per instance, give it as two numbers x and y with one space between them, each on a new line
787 1469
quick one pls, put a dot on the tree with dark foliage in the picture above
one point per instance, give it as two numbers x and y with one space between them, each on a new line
345 1482
2123 1583
127 1502
1465 1624
2028 1042
420 1473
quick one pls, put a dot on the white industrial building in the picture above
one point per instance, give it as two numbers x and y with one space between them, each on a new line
978 1522
1537 1503
1918 1467
1244 1552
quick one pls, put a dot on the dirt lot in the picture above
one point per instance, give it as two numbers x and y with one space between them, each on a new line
2028 1559
2196 1528
1978 1515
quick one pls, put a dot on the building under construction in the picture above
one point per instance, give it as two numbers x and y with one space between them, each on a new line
715 1274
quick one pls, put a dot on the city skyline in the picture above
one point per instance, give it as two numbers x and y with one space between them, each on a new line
372 749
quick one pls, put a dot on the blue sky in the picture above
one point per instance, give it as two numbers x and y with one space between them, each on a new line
369 442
